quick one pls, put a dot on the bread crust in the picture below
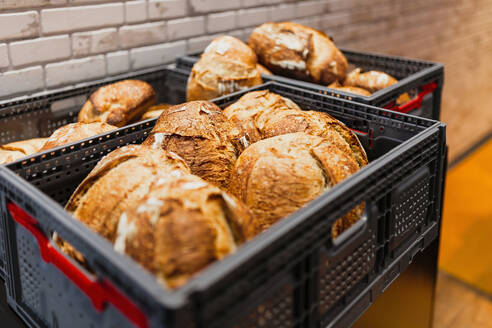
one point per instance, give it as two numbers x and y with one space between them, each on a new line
275 177
117 182
155 111
118 103
371 81
263 114
74 132
243 113
227 65
199 133
181 226
16 150
298 51
358 91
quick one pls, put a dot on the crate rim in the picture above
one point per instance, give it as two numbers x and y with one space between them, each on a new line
214 272
17 100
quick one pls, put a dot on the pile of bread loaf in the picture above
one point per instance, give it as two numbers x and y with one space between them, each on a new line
108 108
287 49
207 180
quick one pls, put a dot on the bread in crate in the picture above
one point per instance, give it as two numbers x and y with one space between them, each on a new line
16 150
182 225
118 103
74 132
298 51
227 65
263 114
277 176
199 133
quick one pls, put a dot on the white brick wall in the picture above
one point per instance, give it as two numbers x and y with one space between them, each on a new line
77 18
4 56
135 11
85 43
118 62
55 43
75 70
39 50
137 35
19 25
24 80
185 27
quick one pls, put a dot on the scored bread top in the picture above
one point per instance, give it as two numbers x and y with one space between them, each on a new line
278 175
117 182
74 132
298 51
199 133
227 65
244 111
182 225
118 103
264 114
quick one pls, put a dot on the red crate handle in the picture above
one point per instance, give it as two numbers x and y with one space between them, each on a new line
415 102
99 292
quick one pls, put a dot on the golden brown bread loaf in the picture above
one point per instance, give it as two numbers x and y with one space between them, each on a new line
371 81
358 91
118 182
199 133
181 226
263 70
227 65
275 177
74 132
155 111
299 52
16 150
118 103
263 114
243 113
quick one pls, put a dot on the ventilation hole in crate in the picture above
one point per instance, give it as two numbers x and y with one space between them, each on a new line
411 209
336 279
277 311
28 269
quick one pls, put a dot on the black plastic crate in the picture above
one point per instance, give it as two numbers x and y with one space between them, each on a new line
423 79
283 278
37 116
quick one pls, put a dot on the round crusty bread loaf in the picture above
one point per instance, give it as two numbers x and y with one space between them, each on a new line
75 132
118 182
243 113
199 133
371 81
299 52
16 150
118 103
182 225
263 114
227 65
275 177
